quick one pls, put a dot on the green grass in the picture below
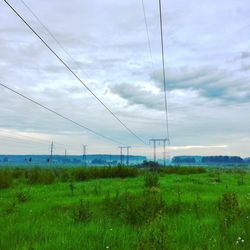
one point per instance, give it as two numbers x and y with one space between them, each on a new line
117 213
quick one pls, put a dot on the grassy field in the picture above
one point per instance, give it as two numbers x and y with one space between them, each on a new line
148 211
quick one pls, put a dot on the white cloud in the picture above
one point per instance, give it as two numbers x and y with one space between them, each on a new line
207 58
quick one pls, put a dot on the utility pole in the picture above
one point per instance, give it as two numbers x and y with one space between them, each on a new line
51 152
84 160
164 153
121 154
164 148
65 155
128 147
154 145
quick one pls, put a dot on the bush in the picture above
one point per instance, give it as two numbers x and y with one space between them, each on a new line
48 176
151 180
10 208
81 212
228 205
183 170
23 196
5 179
135 209
40 176
154 235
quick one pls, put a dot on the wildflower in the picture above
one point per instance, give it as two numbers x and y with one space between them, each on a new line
107 247
111 229
242 241
239 238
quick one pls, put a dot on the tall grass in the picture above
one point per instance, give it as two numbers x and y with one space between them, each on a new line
175 212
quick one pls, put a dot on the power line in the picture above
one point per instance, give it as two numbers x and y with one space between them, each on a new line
20 140
163 70
35 139
74 74
50 33
147 30
60 115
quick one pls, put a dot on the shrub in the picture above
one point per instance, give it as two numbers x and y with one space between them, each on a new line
64 175
183 170
80 174
97 189
72 188
81 212
215 177
241 177
228 205
23 196
40 176
151 180
10 208
135 209
154 235
5 179
18 173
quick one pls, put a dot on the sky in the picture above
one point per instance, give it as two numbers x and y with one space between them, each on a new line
207 52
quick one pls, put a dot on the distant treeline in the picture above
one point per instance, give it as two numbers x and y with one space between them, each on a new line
210 160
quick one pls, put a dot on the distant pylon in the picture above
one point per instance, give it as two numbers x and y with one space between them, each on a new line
121 154
84 158
51 152
164 148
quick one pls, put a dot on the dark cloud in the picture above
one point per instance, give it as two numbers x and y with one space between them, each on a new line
245 55
212 83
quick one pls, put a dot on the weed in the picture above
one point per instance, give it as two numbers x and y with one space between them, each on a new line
228 205
241 177
151 180
23 196
5 179
135 209
197 205
183 170
72 188
154 235
97 189
10 208
40 176
215 177
81 212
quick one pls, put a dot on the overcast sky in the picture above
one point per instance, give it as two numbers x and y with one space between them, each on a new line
207 49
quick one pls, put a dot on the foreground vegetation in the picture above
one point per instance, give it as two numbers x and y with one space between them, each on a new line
124 208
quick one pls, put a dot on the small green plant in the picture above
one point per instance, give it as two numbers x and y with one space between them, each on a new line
40 176
151 180
72 188
5 179
23 196
154 235
135 209
215 177
197 205
228 205
10 208
241 177
183 170
81 212
97 189
177 206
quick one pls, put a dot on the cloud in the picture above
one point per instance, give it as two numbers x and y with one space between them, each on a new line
198 147
208 89
211 83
